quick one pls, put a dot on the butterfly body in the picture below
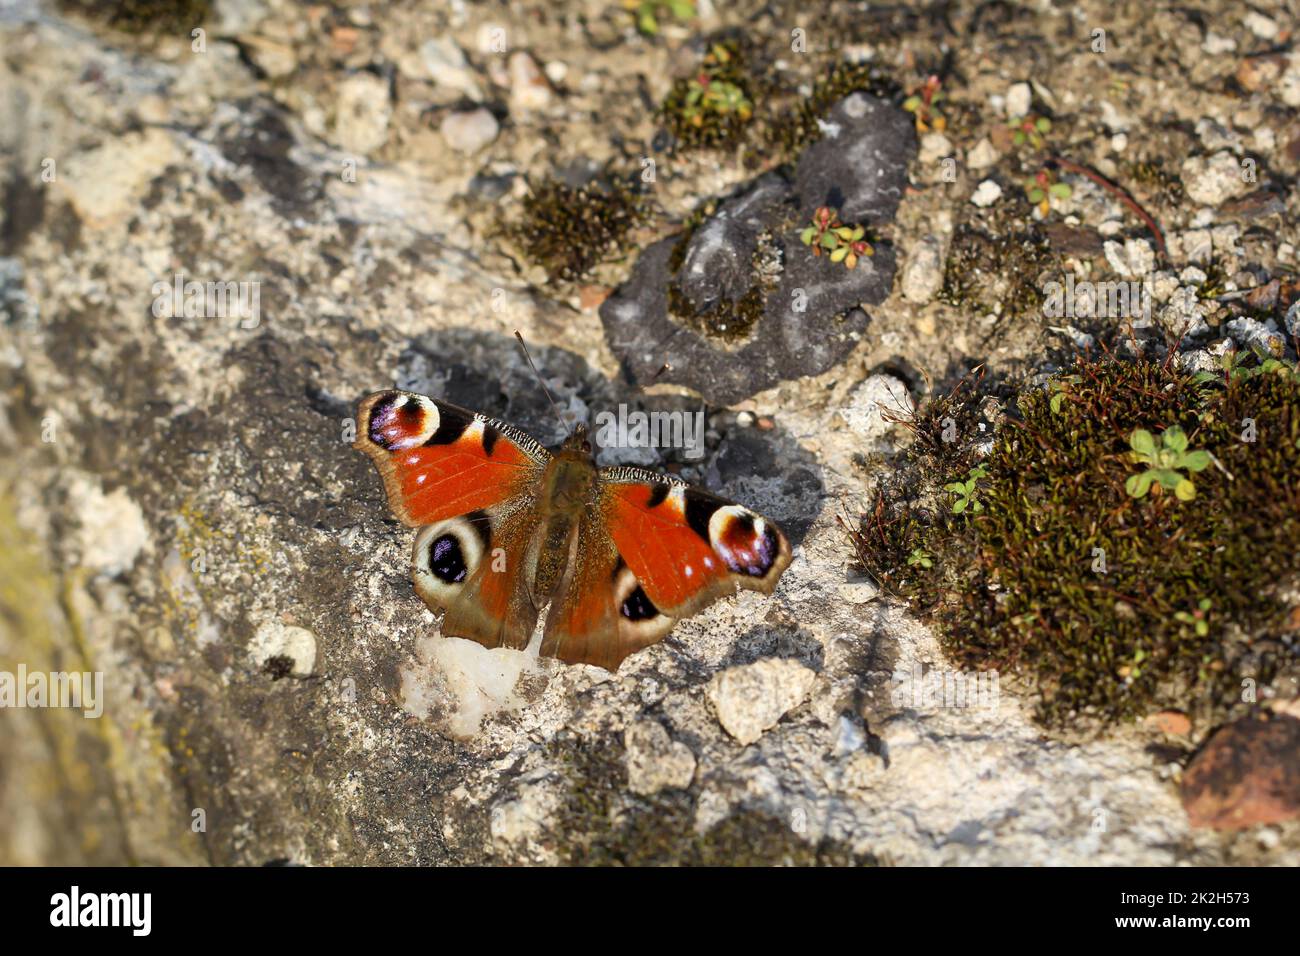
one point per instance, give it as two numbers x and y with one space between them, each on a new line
507 528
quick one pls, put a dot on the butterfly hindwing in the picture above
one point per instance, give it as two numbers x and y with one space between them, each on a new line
600 614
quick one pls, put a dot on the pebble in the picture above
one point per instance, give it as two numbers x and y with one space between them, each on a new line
529 88
1019 98
986 194
1263 27
1215 179
276 639
655 761
982 155
934 147
1248 773
362 113
878 396
447 67
1214 44
470 131
752 698
923 275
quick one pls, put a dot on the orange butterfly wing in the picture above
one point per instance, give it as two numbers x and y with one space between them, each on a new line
651 551
468 482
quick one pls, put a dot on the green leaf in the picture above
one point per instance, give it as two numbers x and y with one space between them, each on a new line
839 254
1061 190
912 104
959 506
1055 403
1174 438
1036 195
977 507
1185 490
1142 442
1018 139
1042 124
1196 460
808 235
956 487
1138 485
1169 478
829 241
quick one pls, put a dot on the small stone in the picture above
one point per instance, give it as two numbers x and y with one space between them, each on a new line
275 59
1172 722
529 88
751 698
923 275
1214 44
362 113
470 131
1019 98
877 397
986 194
934 147
447 67
1214 179
1113 119
1258 73
1248 773
1134 259
982 155
1289 85
275 639
655 761
1263 27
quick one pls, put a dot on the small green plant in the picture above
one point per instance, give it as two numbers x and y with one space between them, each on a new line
1043 187
920 558
1167 460
710 93
1030 129
648 13
713 108
846 244
965 491
1198 620
924 105
1060 389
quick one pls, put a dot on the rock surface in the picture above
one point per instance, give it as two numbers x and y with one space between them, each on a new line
180 506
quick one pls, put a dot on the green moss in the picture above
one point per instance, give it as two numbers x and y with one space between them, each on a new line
996 272
794 129
144 16
602 824
1022 586
569 231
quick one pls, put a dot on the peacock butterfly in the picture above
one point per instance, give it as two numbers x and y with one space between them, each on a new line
505 527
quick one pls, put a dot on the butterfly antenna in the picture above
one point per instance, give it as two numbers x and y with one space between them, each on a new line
542 382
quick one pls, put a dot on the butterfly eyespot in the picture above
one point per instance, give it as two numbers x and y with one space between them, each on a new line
447 561
638 607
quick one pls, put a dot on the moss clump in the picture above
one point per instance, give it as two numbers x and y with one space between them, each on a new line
144 16
1112 605
568 230
795 129
729 320
714 108
996 273
602 824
